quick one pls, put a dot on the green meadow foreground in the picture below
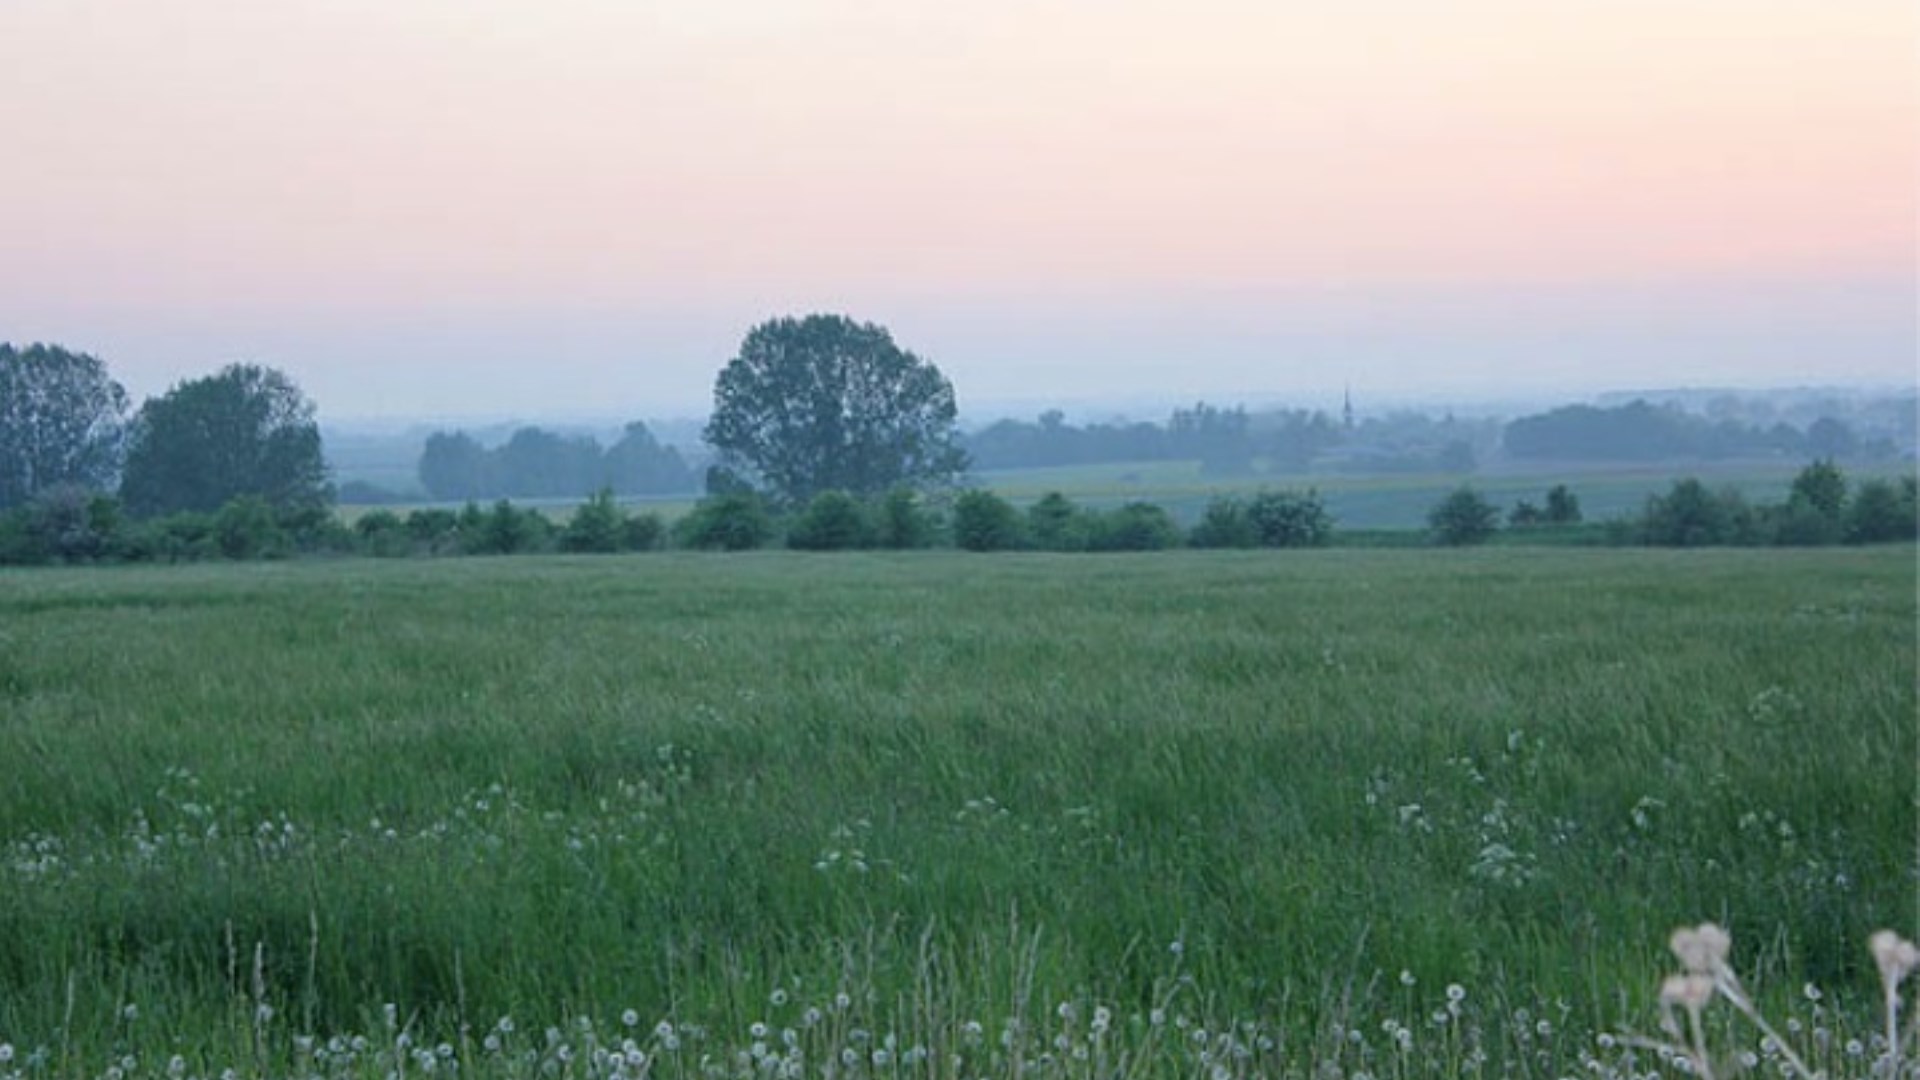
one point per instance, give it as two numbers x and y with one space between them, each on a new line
1208 814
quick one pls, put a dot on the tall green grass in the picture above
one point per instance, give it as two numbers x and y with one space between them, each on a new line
1255 786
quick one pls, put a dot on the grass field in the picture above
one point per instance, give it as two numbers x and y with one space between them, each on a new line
943 815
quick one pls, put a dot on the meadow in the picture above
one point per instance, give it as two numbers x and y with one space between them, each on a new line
1220 814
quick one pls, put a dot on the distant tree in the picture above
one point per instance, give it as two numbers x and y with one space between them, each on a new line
983 521
639 465
455 467
1524 515
1830 438
62 422
1815 511
1822 486
244 431
1881 511
1463 517
832 521
824 403
1563 506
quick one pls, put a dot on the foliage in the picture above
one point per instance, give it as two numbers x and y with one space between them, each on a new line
1224 524
1462 518
535 463
62 422
1689 515
732 522
383 534
644 532
245 528
1563 506
1883 511
903 522
983 521
832 521
502 530
1640 431
1137 526
824 403
599 525
1285 519
1054 523
244 431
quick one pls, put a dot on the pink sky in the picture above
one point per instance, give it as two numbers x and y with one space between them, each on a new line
1199 197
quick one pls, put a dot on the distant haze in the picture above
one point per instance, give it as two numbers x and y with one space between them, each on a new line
483 207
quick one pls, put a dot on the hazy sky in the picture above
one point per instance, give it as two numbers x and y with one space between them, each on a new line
455 207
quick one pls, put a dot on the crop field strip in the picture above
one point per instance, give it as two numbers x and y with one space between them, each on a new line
675 796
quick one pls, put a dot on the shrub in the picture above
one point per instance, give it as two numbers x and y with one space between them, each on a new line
1689 515
598 526
1881 512
902 522
732 521
1563 506
1286 519
1223 524
246 528
832 521
382 534
643 532
435 530
1056 524
1463 518
983 521
503 530
1137 526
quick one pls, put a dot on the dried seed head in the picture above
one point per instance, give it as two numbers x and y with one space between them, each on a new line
1691 992
1895 956
1702 949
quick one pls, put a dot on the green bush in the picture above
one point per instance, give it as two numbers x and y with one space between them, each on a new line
1286 519
435 531
1690 515
643 532
1881 512
503 530
598 526
983 521
902 522
1462 518
1224 524
1056 524
382 534
832 521
246 528
1137 526
731 521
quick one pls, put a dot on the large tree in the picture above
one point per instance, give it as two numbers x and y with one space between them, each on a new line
247 430
62 422
824 403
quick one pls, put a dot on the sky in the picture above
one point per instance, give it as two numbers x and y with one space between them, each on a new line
515 208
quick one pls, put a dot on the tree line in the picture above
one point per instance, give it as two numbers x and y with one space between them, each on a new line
65 525
535 463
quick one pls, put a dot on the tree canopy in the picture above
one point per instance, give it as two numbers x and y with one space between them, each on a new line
823 403
62 422
246 430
